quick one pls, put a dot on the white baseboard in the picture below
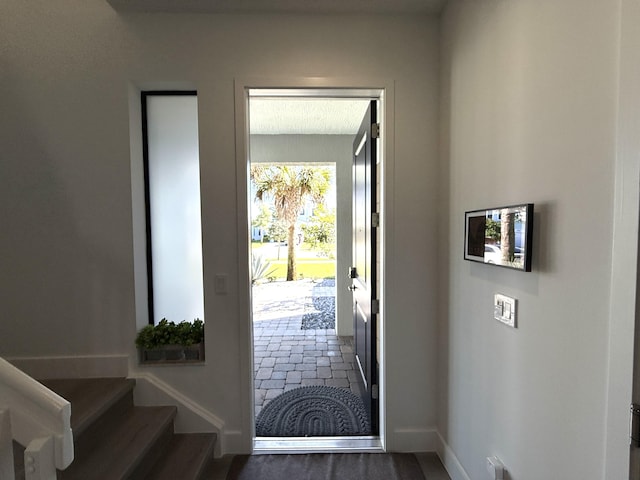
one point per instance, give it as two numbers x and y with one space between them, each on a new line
191 416
449 460
87 366
428 440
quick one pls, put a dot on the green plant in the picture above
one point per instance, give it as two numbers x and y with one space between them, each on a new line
169 333
277 231
260 268
320 230
492 229
262 221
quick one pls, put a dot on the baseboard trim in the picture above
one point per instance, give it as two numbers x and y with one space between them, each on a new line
191 418
449 460
87 366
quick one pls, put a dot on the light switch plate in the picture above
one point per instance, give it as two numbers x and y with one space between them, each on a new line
504 309
221 284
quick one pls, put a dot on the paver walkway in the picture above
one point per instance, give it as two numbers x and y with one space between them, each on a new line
287 356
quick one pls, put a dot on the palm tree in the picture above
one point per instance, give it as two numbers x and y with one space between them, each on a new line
507 235
290 186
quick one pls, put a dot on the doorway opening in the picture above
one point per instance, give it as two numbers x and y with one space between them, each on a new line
305 324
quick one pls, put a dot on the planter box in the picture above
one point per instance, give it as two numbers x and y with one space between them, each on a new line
173 354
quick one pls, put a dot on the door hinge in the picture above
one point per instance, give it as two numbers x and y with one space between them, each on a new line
375 220
375 392
375 306
375 130
634 425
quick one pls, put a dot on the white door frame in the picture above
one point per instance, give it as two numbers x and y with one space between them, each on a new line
624 268
307 87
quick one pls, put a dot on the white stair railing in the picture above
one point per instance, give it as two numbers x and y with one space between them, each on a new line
36 417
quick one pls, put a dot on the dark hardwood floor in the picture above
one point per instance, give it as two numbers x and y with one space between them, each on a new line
431 466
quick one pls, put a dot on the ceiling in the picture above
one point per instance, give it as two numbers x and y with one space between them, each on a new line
281 6
305 116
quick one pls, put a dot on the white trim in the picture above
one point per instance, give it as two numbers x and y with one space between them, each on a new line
39 419
192 417
87 366
241 99
624 267
382 89
266 445
361 144
449 460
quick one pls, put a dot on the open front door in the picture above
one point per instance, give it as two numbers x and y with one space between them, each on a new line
363 273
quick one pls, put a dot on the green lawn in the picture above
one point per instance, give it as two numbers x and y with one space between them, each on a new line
308 263
306 269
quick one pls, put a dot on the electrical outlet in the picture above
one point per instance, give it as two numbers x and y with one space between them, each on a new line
495 468
504 309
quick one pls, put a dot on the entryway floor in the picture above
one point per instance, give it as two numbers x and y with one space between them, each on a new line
431 465
286 356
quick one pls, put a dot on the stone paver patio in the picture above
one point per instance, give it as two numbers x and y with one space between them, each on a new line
287 356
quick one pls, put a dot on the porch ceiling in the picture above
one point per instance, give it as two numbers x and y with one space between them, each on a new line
305 116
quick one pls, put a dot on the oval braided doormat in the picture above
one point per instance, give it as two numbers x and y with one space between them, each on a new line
313 411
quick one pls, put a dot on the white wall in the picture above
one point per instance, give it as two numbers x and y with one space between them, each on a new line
529 115
67 273
301 148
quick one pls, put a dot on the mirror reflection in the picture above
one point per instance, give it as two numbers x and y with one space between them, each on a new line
500 236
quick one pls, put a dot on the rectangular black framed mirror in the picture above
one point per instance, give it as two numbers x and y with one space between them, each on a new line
500 236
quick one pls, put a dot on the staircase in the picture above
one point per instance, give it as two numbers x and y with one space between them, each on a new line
114 440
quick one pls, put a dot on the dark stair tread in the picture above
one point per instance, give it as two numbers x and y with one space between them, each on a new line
123 448
89 397
187 456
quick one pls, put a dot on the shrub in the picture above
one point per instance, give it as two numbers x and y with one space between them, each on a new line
260 268
169 333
